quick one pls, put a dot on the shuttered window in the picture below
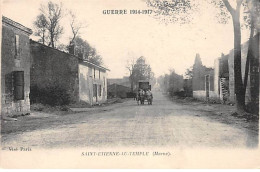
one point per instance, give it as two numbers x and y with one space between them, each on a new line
94 90
99 90
17 46
18 84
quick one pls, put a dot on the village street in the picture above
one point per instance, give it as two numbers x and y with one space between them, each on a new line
165 123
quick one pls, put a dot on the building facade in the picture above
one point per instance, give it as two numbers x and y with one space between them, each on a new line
15 68
202 81
92 83
56 75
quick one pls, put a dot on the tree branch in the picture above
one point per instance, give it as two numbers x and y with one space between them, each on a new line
239 2
229 7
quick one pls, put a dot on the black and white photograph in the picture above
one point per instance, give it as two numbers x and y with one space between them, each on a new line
130 84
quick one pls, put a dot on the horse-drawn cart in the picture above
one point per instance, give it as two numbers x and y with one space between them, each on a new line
144 93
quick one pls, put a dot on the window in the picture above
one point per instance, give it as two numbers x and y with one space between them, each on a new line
16 45
99 90
94 90
94 73
98 74
18 77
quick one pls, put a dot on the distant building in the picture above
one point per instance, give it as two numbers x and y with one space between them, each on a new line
120 91
55 73
120 81
15 68
202 80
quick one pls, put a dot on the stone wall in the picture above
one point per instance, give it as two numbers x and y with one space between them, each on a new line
85 84
53 73
12 61
201 95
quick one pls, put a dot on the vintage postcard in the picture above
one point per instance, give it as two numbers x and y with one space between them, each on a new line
130 84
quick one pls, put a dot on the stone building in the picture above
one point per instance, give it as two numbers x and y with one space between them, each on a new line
224 74
92 83
202 80
59 78
15 68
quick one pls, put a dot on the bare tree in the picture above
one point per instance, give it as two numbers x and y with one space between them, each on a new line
130 66
53 14
40 25
75 25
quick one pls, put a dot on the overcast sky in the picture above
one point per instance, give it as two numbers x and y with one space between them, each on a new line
121 37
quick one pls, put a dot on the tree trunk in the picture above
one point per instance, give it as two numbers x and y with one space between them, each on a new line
43 38
249 54
239 87
52 40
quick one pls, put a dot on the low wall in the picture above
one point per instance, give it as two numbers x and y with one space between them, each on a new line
201 95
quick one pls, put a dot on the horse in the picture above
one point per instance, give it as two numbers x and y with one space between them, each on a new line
140 97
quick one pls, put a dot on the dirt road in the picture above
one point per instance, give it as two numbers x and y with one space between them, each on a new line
165 123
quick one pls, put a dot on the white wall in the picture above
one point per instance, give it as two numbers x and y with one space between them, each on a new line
86 82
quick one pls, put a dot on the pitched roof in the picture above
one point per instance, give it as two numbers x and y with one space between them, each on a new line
92 64
12 23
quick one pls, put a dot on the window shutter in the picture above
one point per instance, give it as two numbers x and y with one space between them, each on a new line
99 90
18 85
94 90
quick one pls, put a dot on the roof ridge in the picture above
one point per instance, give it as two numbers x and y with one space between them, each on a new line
16 25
